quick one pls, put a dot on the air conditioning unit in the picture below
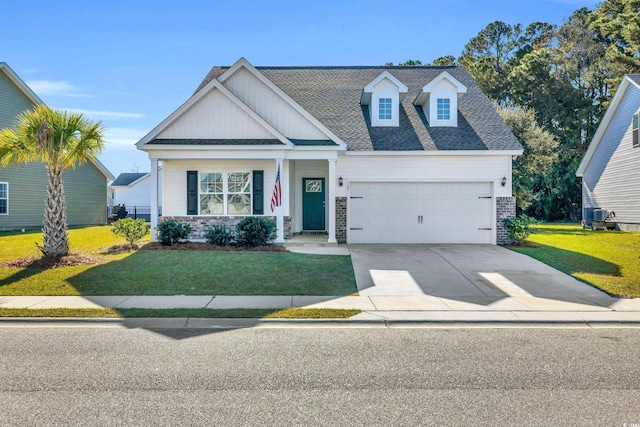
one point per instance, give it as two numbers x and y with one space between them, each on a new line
601 215
597 215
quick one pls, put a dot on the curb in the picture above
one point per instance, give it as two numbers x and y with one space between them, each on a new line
241 323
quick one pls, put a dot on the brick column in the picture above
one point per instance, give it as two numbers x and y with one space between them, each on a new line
505 208
341 219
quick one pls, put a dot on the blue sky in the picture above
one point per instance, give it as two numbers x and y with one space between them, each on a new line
131 63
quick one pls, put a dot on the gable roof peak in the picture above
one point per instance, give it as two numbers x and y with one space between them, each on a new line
385 75
20 83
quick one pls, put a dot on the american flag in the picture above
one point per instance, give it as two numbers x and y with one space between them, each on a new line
276 199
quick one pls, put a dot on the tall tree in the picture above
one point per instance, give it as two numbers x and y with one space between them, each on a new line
618 21
488 57
61 140
532 172
444 61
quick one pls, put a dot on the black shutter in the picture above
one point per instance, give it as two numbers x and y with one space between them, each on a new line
258 192
192 192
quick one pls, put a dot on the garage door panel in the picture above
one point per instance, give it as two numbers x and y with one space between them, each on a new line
449 213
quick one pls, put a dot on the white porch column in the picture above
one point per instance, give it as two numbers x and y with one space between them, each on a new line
332 201
279 210
154 199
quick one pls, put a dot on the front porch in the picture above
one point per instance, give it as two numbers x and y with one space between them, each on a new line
207 192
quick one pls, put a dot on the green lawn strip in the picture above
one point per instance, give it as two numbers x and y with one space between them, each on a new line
608 260
287 313
190 273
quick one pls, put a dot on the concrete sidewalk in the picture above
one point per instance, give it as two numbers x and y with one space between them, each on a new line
387 310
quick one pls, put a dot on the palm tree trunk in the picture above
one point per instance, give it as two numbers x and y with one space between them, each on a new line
55 239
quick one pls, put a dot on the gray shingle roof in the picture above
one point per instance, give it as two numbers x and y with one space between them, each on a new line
332 95
127 178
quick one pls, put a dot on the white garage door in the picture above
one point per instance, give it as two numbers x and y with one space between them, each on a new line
393 212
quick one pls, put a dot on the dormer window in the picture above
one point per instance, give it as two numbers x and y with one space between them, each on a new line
444 109
383 97
384 109
439 100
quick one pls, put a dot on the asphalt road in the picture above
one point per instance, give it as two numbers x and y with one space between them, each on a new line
372 377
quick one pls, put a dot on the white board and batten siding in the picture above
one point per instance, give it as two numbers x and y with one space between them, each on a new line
612 178
174 185
423 199
215 116
270 106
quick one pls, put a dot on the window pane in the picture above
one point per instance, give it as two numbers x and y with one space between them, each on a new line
635 121
239 204
3 191
211 183
314 186
443 109
3 206
211 204
384 109
239 182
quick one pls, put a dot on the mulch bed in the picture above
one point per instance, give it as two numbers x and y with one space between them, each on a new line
196 246
119 248
524 244
70 260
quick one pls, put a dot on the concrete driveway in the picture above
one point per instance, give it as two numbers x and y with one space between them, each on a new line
478 274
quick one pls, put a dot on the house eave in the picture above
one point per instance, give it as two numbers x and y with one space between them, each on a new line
472 153
604 124
20 83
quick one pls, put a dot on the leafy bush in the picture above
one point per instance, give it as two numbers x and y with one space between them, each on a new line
171 231
255 231
219 235
131 229
518 228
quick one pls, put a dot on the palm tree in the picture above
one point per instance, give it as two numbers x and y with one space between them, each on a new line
61 140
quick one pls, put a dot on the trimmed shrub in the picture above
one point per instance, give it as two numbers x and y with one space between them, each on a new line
131 229
171 231
255 231
518 228
219 235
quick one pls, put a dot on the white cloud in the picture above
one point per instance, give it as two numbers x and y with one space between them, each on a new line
55 88
106 114
123 137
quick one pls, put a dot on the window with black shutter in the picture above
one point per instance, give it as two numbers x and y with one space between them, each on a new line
192 192
258 192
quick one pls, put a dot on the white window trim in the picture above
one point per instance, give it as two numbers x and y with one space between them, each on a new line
635 129
7 198
225 192
390 109
448 109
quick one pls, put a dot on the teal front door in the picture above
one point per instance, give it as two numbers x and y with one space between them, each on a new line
313 203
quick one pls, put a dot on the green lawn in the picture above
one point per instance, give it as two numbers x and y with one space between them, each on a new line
171 272
609 260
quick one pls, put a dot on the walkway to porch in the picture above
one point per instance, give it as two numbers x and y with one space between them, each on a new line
314 244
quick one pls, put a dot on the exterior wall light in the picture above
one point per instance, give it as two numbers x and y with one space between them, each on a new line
504 181
340 182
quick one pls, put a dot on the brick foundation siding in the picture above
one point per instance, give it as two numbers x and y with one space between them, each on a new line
505 208
200 225
341 219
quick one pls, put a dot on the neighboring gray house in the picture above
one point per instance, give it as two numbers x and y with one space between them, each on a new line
360 154
610 169
23 188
